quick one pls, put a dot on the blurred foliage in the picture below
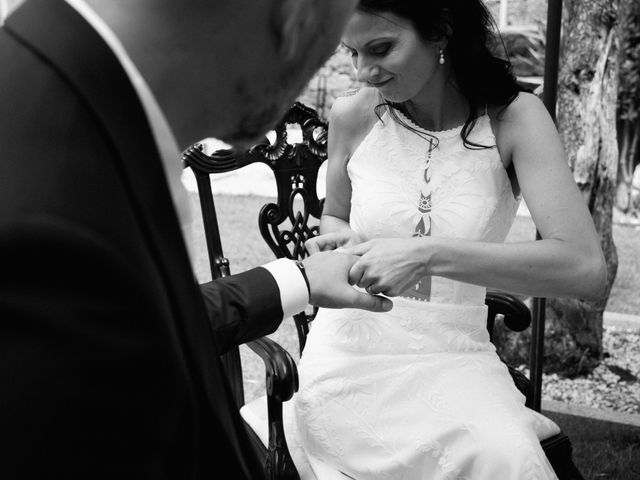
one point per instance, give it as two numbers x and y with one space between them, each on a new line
525 45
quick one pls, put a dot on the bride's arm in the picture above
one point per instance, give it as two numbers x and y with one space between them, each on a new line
566 262
346 124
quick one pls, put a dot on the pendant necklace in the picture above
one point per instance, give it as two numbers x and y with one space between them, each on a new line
423 227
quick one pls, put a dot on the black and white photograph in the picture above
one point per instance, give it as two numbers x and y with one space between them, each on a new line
320 239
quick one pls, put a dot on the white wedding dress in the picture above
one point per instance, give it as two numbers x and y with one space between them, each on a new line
418 392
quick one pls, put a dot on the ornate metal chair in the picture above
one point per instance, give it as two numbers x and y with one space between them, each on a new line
285 226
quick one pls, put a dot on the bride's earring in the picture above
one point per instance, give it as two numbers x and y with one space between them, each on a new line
441 61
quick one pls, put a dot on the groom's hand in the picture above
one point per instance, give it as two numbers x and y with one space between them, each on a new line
332 241
328 274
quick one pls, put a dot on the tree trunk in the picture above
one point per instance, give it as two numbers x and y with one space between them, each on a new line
587 98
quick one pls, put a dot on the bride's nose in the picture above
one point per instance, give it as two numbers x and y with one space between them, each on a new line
366 71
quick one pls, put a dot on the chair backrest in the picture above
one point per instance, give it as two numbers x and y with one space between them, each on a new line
295 167
284 225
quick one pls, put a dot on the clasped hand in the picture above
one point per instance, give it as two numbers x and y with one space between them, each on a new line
387 265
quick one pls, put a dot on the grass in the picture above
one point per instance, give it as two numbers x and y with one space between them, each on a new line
602 450
624 296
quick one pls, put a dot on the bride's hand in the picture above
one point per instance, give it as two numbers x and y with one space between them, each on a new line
389 266
332 241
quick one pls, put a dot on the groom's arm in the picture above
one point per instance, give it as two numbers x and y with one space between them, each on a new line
252 304
249 305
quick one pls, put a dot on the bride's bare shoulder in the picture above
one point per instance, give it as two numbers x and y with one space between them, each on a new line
354 114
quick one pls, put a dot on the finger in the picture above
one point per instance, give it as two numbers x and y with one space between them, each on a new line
312 246
321 243
368 280
372 303
359 249
355 273
372 290
392 292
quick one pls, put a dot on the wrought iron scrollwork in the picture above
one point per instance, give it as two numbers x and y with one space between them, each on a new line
295 167
273 152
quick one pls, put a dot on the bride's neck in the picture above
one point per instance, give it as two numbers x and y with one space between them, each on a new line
438 110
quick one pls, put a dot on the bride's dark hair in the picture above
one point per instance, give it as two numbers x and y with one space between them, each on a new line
482 77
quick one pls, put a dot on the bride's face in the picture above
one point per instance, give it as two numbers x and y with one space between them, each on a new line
388 54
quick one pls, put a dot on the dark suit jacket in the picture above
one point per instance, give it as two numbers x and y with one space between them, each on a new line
109 350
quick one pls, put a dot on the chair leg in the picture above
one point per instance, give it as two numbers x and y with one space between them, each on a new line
560 454
276 460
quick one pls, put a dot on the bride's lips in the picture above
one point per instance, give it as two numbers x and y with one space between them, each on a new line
379 84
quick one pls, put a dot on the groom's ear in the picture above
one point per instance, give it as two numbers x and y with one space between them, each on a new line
291 21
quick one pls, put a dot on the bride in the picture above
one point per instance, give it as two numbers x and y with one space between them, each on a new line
427 164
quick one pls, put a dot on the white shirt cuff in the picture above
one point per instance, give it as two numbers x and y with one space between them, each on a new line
294 295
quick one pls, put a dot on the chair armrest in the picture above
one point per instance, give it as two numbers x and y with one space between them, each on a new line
281 369
517 315
281 384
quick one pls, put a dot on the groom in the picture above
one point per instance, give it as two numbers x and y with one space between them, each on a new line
109 350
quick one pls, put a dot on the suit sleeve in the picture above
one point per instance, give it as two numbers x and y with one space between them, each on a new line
242 307
252 304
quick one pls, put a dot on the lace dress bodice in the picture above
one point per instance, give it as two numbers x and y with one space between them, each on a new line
471 191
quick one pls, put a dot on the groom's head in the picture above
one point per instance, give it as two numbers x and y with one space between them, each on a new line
226 68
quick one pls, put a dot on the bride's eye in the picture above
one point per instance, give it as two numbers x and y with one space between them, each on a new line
380 49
